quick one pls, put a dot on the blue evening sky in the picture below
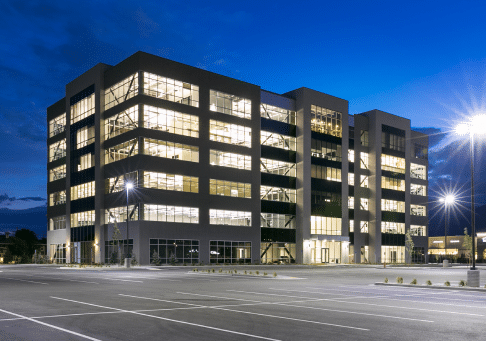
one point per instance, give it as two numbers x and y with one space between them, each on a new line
423 60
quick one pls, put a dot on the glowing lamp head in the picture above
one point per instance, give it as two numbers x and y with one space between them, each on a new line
449 199
129 185
462 129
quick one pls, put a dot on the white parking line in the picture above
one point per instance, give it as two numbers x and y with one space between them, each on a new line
170 320
258 314
361 303
24 280
52 326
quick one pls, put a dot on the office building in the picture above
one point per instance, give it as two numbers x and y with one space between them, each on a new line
225 172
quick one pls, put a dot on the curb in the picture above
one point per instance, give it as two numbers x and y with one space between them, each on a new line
432 287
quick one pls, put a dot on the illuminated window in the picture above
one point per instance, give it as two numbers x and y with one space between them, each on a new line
226 159
171 182
117 184
350 155
393 164
363 181
364 160
351 203
83 219
326 150
277 221
171 214
83 108
326 121
58 253
170 121
85 136
170 89
351 225
418 171
277 114
393 254
229 104
392 227
57 150
171 150
392 205
119 214
364 226
57 173
325 225
121 91
84 162
364 204
392 183
122 122
229 188
417 230
234 218
418 189
229 133
57 198
326 173
57 223
277 194
351 179
57 125
121 151
83 191
277 167
418 210
277 140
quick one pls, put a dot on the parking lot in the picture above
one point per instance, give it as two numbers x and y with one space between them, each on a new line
175 303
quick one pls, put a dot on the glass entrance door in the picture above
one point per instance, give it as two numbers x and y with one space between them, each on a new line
325 255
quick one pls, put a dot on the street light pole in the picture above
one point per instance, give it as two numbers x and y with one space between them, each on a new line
473 224
128 186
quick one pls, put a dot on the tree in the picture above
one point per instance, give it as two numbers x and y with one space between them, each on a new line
117 236
409 245
467 244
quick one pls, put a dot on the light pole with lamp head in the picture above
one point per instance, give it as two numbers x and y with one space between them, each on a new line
474 126
128 187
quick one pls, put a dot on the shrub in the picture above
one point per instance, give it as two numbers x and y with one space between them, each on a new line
245 272
257 272
220 270
399 280
265 274
414 281
194 270
386 279
428 282
462 283
212 270
235 270
447 283
274 274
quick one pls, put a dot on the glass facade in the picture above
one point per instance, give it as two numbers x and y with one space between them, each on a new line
122 122
57 198
170 121
83 219
278 141
229 188
170 89
277 114
57 223
227 159
229 104
83 191
121 91
234 218
167 251
57 150
229 133
278 194
83 108
278 167
326 173
171 214
171 150
121 151
326 150
119 214
57 125
326 121
325 225
224 251
418 171
57 173
279 221
171 182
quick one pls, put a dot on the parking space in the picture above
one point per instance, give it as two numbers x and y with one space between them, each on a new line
311 303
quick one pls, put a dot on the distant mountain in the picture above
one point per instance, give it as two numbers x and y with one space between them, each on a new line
33 219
